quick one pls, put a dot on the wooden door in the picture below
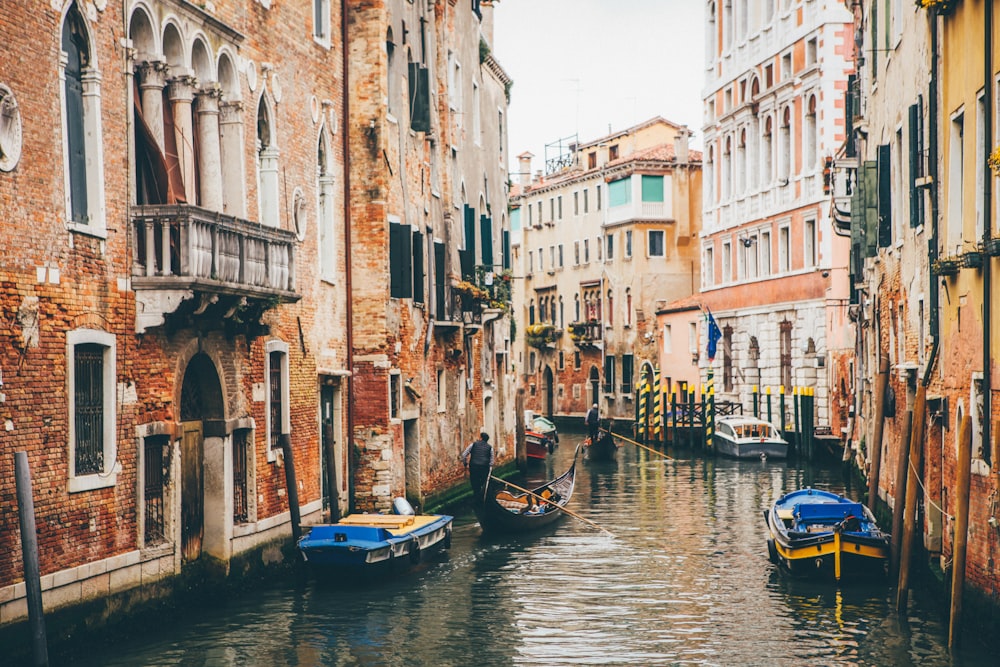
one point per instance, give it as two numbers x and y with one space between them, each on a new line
192 491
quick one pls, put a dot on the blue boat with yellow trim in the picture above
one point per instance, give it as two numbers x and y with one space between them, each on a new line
818 533
375 541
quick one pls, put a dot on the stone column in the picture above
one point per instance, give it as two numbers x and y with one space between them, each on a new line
181 93
234 200
152 75
206 106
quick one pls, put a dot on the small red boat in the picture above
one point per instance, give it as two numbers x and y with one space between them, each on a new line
538 445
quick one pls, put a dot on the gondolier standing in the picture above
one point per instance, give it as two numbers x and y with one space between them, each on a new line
478 458
593 422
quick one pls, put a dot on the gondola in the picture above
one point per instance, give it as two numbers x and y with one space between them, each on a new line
506 509
603 449
818 533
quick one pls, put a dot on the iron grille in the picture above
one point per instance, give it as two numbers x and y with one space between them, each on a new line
241 512
153 488
89 407
276 397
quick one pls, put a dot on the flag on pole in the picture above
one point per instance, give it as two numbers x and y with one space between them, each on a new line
713 336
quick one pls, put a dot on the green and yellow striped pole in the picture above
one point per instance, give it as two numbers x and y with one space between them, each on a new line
709 408
657 405
643 392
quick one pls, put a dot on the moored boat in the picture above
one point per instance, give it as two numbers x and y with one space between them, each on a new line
538 446
508 509
546 427
375 541
748 438
816 532
602 449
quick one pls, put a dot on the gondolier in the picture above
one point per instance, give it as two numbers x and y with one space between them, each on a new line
478 458
593 422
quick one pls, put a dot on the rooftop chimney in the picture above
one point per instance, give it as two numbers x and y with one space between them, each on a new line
524 168
681 145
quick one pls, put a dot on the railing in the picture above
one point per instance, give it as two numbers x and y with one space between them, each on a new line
647 210
179 242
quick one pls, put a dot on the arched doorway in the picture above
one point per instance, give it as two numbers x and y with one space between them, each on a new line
202 413
548 392
595 385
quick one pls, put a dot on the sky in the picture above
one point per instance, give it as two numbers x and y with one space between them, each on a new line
582 66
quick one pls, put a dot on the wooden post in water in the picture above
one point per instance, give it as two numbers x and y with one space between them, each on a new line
29 554
709 410
797 404
690 419
961 539
781 409
875 449
767 392
285 441
900 494
520 445
673 416
756 402
330 459
910 507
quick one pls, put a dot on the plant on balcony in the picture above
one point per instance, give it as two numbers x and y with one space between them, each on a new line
472 295
992 247
583 333
946 266
973 259
940 6
540 335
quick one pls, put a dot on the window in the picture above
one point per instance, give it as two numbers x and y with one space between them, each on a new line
628 243
668 343
327 210
592 160
278 419
598 188
152 488
267 166
786 66
809 136
576 253
628 307
462 383
576 203
767 153
455 87
727 262
552 209
656 243
708 268
811 52
609 374
652 188
784 250
956 188
577 360
552 257
560 255
476 115
586 201
400 261
559 206
81 99
609 246
785 147
242 460
809 237
613 152
765 254
92 373
442 391
586 251
321 21
620 192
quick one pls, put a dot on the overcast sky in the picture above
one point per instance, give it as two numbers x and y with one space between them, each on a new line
580 66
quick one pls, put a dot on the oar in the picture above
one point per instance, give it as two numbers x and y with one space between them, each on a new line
649 449
545 500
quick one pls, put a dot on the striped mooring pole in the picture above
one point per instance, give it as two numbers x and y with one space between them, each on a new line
657 406
643 393
709 406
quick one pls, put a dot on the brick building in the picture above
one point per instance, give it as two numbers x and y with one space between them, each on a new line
605 235
428 180
173 282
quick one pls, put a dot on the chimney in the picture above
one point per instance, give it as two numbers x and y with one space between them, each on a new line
524 168
681 145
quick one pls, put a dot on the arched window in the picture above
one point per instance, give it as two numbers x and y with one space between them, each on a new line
727 167
611 307
628 306
390 73
785 146
709 179
267 165
326 208
741 162
81 109
809 144
767 152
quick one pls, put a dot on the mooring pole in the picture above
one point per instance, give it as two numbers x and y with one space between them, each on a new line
899 495
29 554
292 486
961 540
520 444
875 450
756 402
797 405
781 409
770 419
910 507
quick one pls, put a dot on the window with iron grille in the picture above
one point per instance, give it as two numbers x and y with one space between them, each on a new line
627 372
277 397
90 360
609 375
241 505
786 354
152 488
89 408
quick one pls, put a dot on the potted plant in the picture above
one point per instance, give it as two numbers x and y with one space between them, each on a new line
946 266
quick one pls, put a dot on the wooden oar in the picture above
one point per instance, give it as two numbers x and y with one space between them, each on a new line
546 500
649 449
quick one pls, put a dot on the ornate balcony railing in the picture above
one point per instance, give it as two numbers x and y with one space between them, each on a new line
180 251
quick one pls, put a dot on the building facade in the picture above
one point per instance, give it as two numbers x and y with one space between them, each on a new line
773 269
603 239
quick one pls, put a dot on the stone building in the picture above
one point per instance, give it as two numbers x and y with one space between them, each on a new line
428 183
773 270
605 235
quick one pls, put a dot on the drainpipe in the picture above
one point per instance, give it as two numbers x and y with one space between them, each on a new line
987 219
349 309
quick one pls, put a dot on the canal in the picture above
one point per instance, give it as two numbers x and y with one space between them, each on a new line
683 580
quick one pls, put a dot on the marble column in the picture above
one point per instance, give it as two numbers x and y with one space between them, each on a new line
206 105
181 93
152 76
234 199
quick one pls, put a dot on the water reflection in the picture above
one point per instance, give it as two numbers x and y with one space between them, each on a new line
684 579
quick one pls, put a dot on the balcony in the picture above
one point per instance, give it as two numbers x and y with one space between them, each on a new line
653 211
187 259
586 334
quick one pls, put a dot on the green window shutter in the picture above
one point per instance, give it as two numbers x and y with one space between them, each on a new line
400 261
871 207
468 255
418 267
884 196
652 188
914 147
506 250
620 192
420 107
439 282
486 241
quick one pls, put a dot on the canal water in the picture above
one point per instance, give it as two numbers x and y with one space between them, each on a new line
683 579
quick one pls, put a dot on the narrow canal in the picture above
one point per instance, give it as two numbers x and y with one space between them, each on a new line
684 579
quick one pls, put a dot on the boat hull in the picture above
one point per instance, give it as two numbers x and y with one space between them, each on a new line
505 510
604 449
817 533
760 449
362 542
742 437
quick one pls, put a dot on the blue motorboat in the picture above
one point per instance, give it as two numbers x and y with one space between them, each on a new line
816 532
375 541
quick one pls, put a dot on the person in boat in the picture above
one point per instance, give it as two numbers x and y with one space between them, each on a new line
593 422
478 459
